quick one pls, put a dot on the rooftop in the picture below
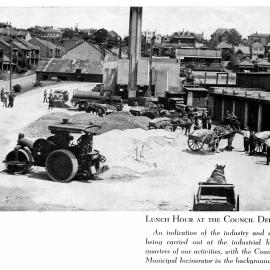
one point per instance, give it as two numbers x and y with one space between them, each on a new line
221 31
224 45
70 66
45 43
205 53
243 49
252 93
196 89
184 34
259 35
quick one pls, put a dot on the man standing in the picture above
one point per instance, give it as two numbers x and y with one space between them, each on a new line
45 96
5 99
11 100
50 102
51 94
246 135
227 118
209 122
252 142
2 94
204 120
267 151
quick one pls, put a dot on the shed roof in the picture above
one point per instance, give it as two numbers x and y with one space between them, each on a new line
70 66
263 63
246 63
257 44
45 43
198 53
224 45
20 45
27 44
243 49
251 93
196 89
259 35
4 42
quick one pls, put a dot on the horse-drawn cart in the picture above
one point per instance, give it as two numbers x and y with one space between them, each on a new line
198 138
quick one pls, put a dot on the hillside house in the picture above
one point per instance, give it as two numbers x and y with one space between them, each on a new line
46 48
89 51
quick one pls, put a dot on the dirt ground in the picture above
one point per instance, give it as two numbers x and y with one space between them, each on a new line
164 175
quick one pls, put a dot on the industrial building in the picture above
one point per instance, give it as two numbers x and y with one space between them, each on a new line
250 100
165 76
200 59
70 70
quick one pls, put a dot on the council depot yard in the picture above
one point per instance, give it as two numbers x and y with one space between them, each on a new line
163 176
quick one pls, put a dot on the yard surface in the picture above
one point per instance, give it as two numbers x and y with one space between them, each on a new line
164 176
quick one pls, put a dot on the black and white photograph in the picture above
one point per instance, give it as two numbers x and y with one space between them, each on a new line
135 108
134 135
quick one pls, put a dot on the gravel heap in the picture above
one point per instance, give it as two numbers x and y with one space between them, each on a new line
117 120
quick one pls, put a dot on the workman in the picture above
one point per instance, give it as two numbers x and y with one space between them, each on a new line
267 143
246 135
209 122
11 98
228 118
2 94
204 120
50 102
252 143
51 94
45 96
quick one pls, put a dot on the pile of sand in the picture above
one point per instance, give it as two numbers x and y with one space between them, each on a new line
118 173
117 120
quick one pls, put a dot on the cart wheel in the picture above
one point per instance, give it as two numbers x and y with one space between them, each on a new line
214 142
102 159
195 145
259 148
237 203
61 165
119 107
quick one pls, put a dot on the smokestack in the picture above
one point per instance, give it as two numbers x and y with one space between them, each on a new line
134 52
250 52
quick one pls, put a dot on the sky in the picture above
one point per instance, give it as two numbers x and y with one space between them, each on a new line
165 20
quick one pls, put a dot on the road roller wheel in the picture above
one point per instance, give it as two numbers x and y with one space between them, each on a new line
22 164
61 165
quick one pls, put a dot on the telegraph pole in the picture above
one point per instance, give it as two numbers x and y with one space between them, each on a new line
10 58
149 90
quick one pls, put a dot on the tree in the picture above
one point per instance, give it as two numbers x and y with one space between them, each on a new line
68 33
100 36
234 37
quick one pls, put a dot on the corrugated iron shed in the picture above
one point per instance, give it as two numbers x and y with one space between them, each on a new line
70 66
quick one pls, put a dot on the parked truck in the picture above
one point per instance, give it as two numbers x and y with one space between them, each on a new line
84 99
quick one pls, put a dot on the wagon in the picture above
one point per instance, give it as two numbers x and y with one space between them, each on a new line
198 138
215 197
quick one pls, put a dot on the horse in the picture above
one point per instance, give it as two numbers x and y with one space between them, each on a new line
227 132
217 175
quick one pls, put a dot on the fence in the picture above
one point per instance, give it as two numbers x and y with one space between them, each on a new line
25 81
